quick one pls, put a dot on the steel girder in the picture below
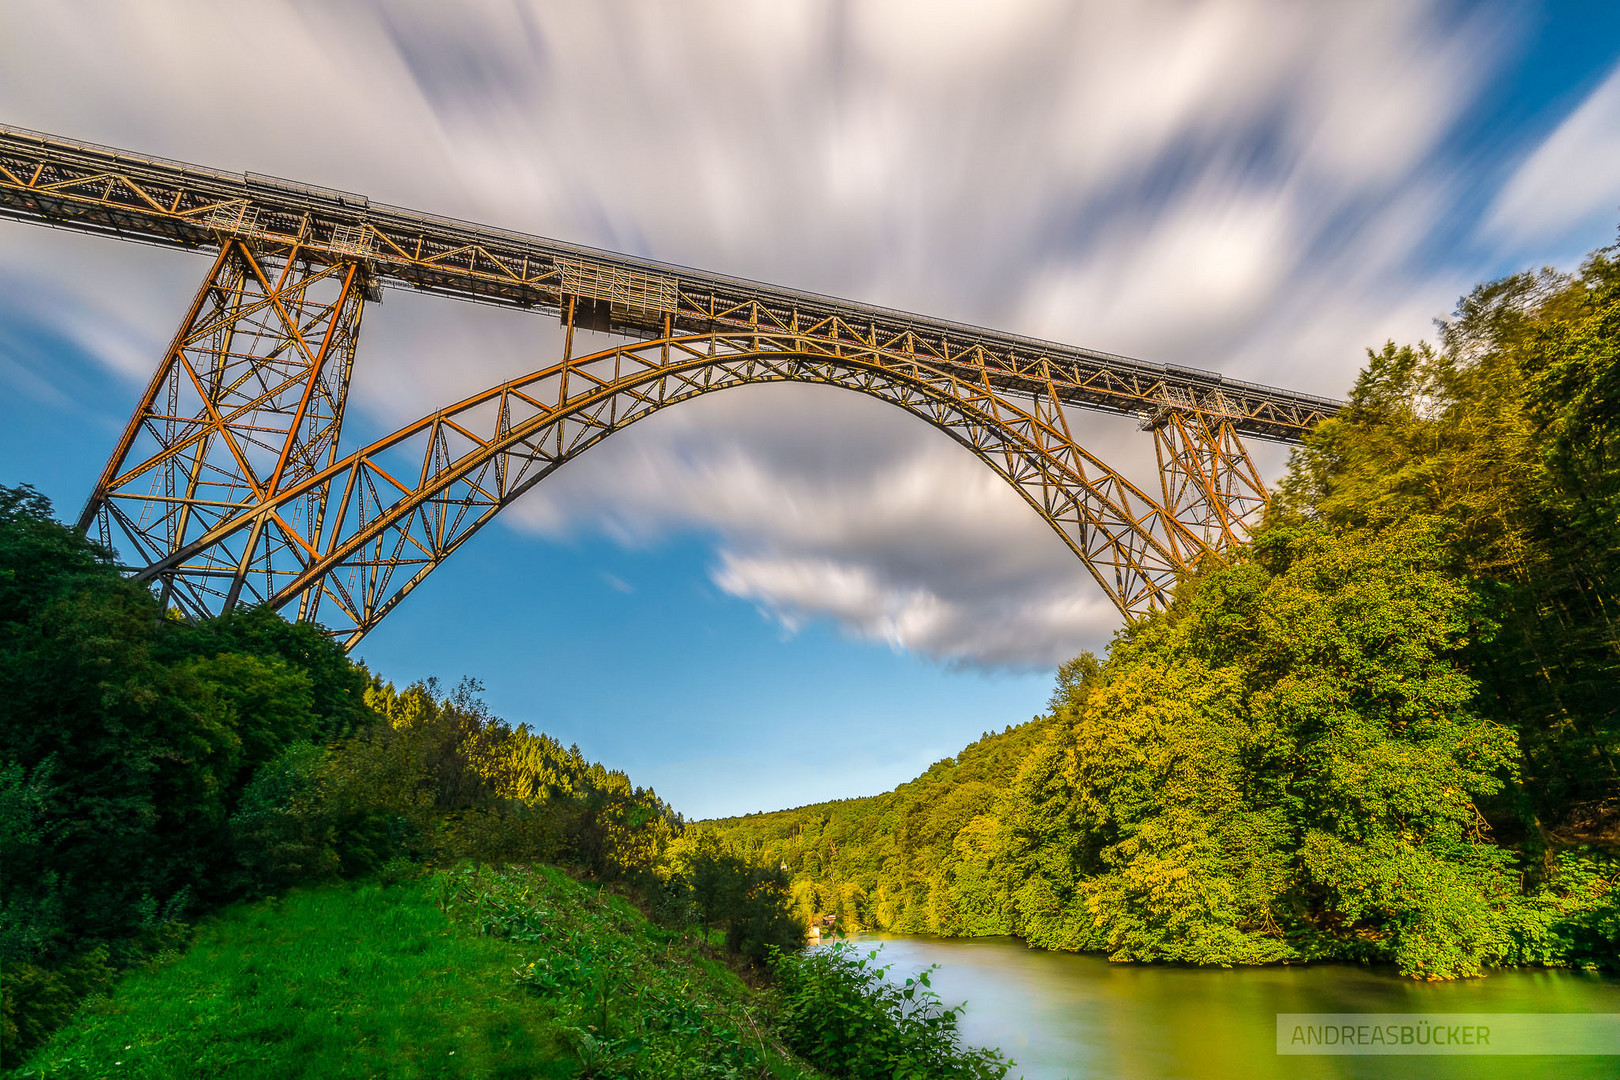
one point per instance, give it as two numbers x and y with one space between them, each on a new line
344 543
1209 484
53 181
246 406
226 488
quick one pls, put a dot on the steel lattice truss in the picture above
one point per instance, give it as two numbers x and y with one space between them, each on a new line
1210 486
49 180
227 489
247 404
399 507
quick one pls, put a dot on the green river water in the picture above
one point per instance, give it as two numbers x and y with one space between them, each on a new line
1065 1015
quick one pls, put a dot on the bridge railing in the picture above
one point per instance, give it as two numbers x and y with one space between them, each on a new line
407 248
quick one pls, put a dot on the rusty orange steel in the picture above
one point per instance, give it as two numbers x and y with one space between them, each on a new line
227 488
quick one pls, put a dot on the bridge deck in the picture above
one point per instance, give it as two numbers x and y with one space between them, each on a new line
53 181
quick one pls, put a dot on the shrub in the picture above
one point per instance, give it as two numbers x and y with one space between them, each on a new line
843 1015
721 889
39 1000
279 838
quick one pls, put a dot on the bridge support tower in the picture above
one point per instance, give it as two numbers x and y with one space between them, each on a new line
226 489
247 400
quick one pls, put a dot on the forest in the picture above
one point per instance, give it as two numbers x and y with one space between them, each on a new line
157 770
1384 730
177 797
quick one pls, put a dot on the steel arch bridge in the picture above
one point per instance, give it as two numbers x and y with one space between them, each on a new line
228 487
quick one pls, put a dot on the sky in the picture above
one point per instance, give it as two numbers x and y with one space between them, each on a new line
777 595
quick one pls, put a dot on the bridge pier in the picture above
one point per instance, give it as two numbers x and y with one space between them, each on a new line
247 399
1208 482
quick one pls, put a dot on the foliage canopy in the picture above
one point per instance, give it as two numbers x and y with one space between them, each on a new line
1386 729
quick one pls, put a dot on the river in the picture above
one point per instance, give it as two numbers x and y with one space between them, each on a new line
1065 1015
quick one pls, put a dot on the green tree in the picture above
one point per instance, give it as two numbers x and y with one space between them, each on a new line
1509 438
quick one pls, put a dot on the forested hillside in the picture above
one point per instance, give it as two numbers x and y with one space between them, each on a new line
153 770
157 776
1386 729
886 861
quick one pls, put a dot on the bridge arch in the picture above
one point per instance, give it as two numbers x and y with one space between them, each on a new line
391 512
219 488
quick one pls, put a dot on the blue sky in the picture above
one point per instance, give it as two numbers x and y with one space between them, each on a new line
777 595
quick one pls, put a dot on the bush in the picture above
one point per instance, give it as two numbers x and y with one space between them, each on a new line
127 742
633 1000
278 839
1571 917
748 901
39 1000
842 1015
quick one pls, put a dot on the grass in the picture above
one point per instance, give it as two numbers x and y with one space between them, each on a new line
634 999
476 973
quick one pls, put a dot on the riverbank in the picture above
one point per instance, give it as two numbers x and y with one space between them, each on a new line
471 973
1082 1017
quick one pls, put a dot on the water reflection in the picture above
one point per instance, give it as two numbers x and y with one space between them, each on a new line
1081 1017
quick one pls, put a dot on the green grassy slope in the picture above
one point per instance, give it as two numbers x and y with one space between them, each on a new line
521 973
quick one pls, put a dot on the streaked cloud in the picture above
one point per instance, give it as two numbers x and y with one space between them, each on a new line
1260 187
828 505
1572 179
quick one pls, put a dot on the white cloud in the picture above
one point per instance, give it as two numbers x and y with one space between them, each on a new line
1021 630
1571 179
1244 184
831 505
1197 271
78 287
